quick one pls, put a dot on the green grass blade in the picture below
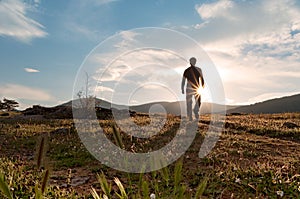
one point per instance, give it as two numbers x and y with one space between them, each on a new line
129 182
105 196
165 173
118 137
38 192
201 188
121 188
181 192
145 189
45 181
40 153
4 187
95 194
105 186
177 176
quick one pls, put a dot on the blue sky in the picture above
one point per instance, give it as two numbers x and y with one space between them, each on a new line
255 45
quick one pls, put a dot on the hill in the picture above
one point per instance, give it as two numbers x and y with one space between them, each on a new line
175 107
278 105
169 107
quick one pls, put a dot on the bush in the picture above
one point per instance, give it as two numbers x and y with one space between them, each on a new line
4 114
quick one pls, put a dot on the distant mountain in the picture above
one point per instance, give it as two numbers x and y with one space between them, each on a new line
98 103
156 107
278 105
175 107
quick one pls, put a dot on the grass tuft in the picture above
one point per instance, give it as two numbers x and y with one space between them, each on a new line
4 188
105 186
121 188
118 137
201 188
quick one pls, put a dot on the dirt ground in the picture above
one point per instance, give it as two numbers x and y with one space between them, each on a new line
249 146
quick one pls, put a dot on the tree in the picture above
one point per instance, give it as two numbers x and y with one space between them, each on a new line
86 101
1 105
9 105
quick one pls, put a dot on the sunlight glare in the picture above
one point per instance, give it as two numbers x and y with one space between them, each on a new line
200 90
205 94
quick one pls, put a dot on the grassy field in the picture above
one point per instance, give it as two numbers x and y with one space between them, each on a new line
257 156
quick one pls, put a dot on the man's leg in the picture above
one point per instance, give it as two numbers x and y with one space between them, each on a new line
197 105
189 102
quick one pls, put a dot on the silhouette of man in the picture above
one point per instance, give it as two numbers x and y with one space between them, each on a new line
192 74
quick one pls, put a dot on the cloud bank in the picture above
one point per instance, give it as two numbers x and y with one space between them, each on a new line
16 23
254 44
17 91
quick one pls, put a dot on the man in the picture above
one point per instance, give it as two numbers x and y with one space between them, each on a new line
192 74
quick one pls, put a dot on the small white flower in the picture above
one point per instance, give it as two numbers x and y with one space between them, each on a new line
299 188
152 196
237 180
280 193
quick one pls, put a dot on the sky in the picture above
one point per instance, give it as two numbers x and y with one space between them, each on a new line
46 47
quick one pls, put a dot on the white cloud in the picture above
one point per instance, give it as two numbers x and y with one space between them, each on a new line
153 62
78 20
83 31
242 20
151 56
254 44
23 92
103 89
128 35
128 39
15 22
101 2
31 70
132 72
217 9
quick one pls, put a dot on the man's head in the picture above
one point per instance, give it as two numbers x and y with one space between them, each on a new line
193 61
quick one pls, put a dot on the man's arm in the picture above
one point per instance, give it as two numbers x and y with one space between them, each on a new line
182 84
201 77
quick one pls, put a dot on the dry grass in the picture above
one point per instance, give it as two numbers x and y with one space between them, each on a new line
256 157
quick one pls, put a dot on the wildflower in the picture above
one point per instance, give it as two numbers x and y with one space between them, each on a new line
299 188
280 193
237 180
152 196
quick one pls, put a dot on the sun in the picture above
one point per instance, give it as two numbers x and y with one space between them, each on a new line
204 93
200 90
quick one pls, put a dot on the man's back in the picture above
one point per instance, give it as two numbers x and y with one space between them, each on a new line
192 74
